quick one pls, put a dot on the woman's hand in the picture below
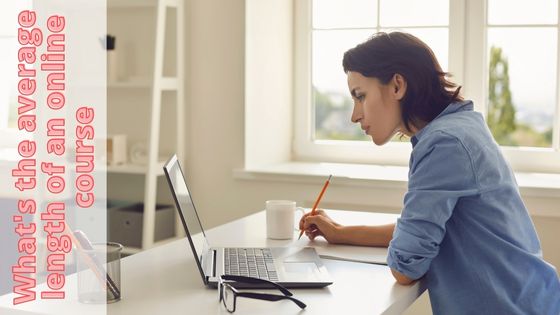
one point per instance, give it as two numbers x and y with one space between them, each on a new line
320 224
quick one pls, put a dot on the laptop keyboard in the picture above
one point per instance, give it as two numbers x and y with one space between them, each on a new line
250 262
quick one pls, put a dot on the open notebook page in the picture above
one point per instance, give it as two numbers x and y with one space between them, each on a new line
363 254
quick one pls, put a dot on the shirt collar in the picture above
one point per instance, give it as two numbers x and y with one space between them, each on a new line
450 109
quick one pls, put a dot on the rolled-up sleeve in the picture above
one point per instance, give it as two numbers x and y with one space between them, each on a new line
441 172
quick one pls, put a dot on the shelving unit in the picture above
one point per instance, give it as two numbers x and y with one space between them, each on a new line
157 83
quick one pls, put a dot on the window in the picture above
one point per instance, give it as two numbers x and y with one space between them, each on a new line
9 133
8 63
333 33
522 42
8 79
8 76
503 53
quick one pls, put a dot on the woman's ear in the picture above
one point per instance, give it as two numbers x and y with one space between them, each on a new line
399 85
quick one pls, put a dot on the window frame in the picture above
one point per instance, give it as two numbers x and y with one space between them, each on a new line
467 53
4 121
9 32
11 136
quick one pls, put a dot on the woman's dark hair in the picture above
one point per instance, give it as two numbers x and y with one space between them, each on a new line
385 54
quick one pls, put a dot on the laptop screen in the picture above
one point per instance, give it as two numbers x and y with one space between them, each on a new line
185 205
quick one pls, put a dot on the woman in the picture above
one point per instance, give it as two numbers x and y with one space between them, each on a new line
464 228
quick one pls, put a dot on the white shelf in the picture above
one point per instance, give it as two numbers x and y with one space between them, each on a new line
144 83
134 168
131 3
167 84
139 3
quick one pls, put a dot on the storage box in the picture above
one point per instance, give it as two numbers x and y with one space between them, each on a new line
125 222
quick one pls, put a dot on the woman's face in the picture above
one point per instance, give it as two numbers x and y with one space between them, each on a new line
376 105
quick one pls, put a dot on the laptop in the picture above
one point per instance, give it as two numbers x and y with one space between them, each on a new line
292 267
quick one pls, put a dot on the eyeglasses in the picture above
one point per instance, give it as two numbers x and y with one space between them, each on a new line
229 294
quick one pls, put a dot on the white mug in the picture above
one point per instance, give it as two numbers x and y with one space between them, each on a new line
280 217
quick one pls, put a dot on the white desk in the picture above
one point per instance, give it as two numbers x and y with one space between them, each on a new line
165 280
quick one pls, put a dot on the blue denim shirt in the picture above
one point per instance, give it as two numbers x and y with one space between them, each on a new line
464 226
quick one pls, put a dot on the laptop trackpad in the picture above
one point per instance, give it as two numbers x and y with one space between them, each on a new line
300 267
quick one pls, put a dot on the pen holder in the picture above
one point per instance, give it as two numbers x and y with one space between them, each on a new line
99 279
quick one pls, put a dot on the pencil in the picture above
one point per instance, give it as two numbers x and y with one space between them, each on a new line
317 201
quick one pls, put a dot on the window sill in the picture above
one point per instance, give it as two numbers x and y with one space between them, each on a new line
539 185
344 174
